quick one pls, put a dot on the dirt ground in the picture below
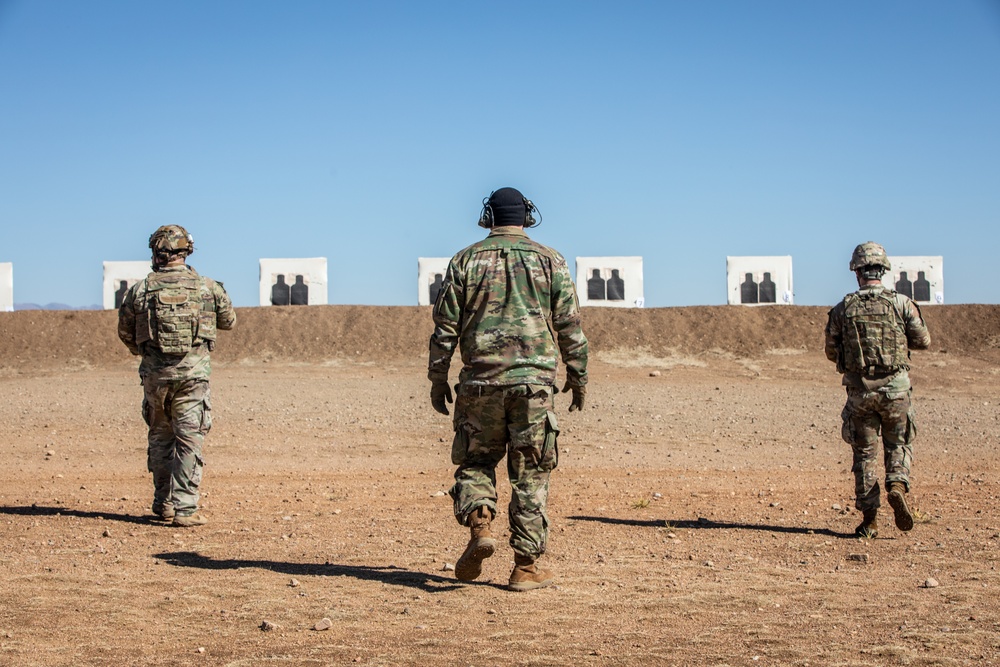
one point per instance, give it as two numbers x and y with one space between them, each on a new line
702 509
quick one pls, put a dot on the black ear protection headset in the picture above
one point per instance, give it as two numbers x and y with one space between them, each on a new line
486 216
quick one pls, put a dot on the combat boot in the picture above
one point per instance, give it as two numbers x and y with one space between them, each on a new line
481 545
868 528
190 520
164 511
897 500
528 576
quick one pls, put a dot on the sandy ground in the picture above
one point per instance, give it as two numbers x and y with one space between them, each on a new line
703 515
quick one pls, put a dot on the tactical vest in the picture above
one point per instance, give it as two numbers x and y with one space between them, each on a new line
179 312
874 335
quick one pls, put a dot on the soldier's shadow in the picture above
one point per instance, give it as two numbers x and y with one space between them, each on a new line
390 574
431 583
44 510
702 523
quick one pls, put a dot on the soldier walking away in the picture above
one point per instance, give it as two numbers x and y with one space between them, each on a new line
170 318
509 304
869 334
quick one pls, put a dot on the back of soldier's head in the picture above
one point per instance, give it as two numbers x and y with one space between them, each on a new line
507 207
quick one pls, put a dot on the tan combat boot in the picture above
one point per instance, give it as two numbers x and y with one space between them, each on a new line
481 545
897 499
163 512
527 576
868 528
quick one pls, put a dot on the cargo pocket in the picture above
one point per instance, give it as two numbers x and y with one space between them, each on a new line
206 413
550 447
847 430
146 410
196 474
911 426
460 445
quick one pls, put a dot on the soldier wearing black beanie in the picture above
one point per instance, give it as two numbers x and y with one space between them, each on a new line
509 306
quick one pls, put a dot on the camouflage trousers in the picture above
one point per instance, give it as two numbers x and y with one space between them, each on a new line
179 416
866 415
517 421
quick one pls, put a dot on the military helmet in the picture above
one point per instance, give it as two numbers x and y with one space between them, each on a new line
171 239
869 254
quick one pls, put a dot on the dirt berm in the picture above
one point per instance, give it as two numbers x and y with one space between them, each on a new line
47 339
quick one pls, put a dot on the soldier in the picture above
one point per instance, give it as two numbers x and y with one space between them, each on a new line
869 335
510 305
171 318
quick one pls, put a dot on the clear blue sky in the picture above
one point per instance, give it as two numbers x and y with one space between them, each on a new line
369 132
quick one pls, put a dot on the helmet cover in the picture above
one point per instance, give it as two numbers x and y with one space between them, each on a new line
869 254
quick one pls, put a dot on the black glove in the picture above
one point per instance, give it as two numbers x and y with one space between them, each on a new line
579 393
440 392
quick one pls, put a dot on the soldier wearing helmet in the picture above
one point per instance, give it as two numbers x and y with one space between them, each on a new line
509 305
869 335
170 319
170 242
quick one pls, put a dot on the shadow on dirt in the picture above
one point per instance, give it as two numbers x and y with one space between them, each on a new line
431 583
42 510
389 574
705 523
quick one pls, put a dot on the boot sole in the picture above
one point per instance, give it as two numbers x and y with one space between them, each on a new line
902 514
522 586
470 565
183 523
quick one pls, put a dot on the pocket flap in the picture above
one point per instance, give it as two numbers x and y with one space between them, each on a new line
551 418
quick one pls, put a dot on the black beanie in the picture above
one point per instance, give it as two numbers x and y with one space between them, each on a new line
508 207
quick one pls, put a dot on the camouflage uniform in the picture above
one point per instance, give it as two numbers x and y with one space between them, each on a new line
177 403
510 305
869 335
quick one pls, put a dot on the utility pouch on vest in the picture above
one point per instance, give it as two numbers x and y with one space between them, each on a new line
206 326
143 329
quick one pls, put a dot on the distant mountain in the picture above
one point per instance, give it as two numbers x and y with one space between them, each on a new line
55 306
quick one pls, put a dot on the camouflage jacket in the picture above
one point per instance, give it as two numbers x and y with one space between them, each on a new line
911 328
137 330
508 301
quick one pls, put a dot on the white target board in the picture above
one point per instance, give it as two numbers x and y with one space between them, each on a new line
6 287
118 277
920 278
759 281
430 277
610 282
293 282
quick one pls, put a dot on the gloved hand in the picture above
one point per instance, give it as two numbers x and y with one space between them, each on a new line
579 393
440 392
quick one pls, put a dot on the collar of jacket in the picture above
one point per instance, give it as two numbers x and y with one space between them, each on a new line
508 230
